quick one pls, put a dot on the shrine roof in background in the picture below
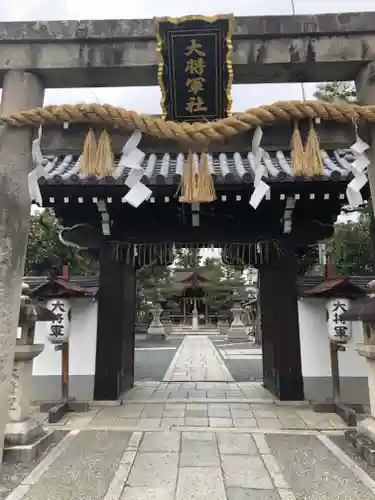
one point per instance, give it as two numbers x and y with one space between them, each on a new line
191 276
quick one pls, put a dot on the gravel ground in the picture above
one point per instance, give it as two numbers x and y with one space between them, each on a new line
313 472
14 474
341 442
83 470
244 370
152 363
234 344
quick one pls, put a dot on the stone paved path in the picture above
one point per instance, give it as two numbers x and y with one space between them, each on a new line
197 439
193 465
198 360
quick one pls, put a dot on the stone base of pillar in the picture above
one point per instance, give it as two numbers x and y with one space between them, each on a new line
367 428
195 324
223 328
156 332
21 433
25 440
26 453
237 333
363 440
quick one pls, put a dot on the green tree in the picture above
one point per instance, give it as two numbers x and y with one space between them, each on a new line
223 280
188 257
149 280
350 248
332 91
46 254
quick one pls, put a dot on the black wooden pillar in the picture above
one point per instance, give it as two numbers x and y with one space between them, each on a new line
282 373
114 372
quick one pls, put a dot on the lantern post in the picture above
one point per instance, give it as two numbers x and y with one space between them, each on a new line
237 329
58 293
24 436
338 293
339 333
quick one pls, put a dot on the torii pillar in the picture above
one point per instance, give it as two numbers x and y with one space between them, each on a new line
21 90
365 84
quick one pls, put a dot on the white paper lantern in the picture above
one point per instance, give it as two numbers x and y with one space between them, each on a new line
59 329
338 330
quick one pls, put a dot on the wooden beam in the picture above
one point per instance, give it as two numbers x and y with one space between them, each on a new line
114 370
282 372
57 140
307 233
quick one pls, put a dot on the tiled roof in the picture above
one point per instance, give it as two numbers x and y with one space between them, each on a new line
305 283
229 168
60 286
337 285
81 284
92 282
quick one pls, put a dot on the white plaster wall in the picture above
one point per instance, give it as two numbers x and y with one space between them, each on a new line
313 338
315 355
351 364
315 358
82 343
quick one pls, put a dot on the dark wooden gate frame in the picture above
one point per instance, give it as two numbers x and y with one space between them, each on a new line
228 220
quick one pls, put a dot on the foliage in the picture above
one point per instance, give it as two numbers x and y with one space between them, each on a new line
332 91
222 280
46 254
350 248
187 257
149 280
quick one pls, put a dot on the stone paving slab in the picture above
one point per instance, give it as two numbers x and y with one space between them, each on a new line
194 465
236 444
246 472
160 442
153 470
197 360
197 483
145 493
196 453
200 414
250 494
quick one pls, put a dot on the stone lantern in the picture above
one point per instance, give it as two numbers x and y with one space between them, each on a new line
364 310
156 329
237 329
23 434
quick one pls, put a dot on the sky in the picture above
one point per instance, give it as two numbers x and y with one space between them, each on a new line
146 99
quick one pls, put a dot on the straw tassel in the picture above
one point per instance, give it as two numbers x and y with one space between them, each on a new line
88 158
205 192
188 188
313 155
104 164
298 154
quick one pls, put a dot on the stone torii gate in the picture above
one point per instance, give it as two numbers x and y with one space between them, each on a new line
39 55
